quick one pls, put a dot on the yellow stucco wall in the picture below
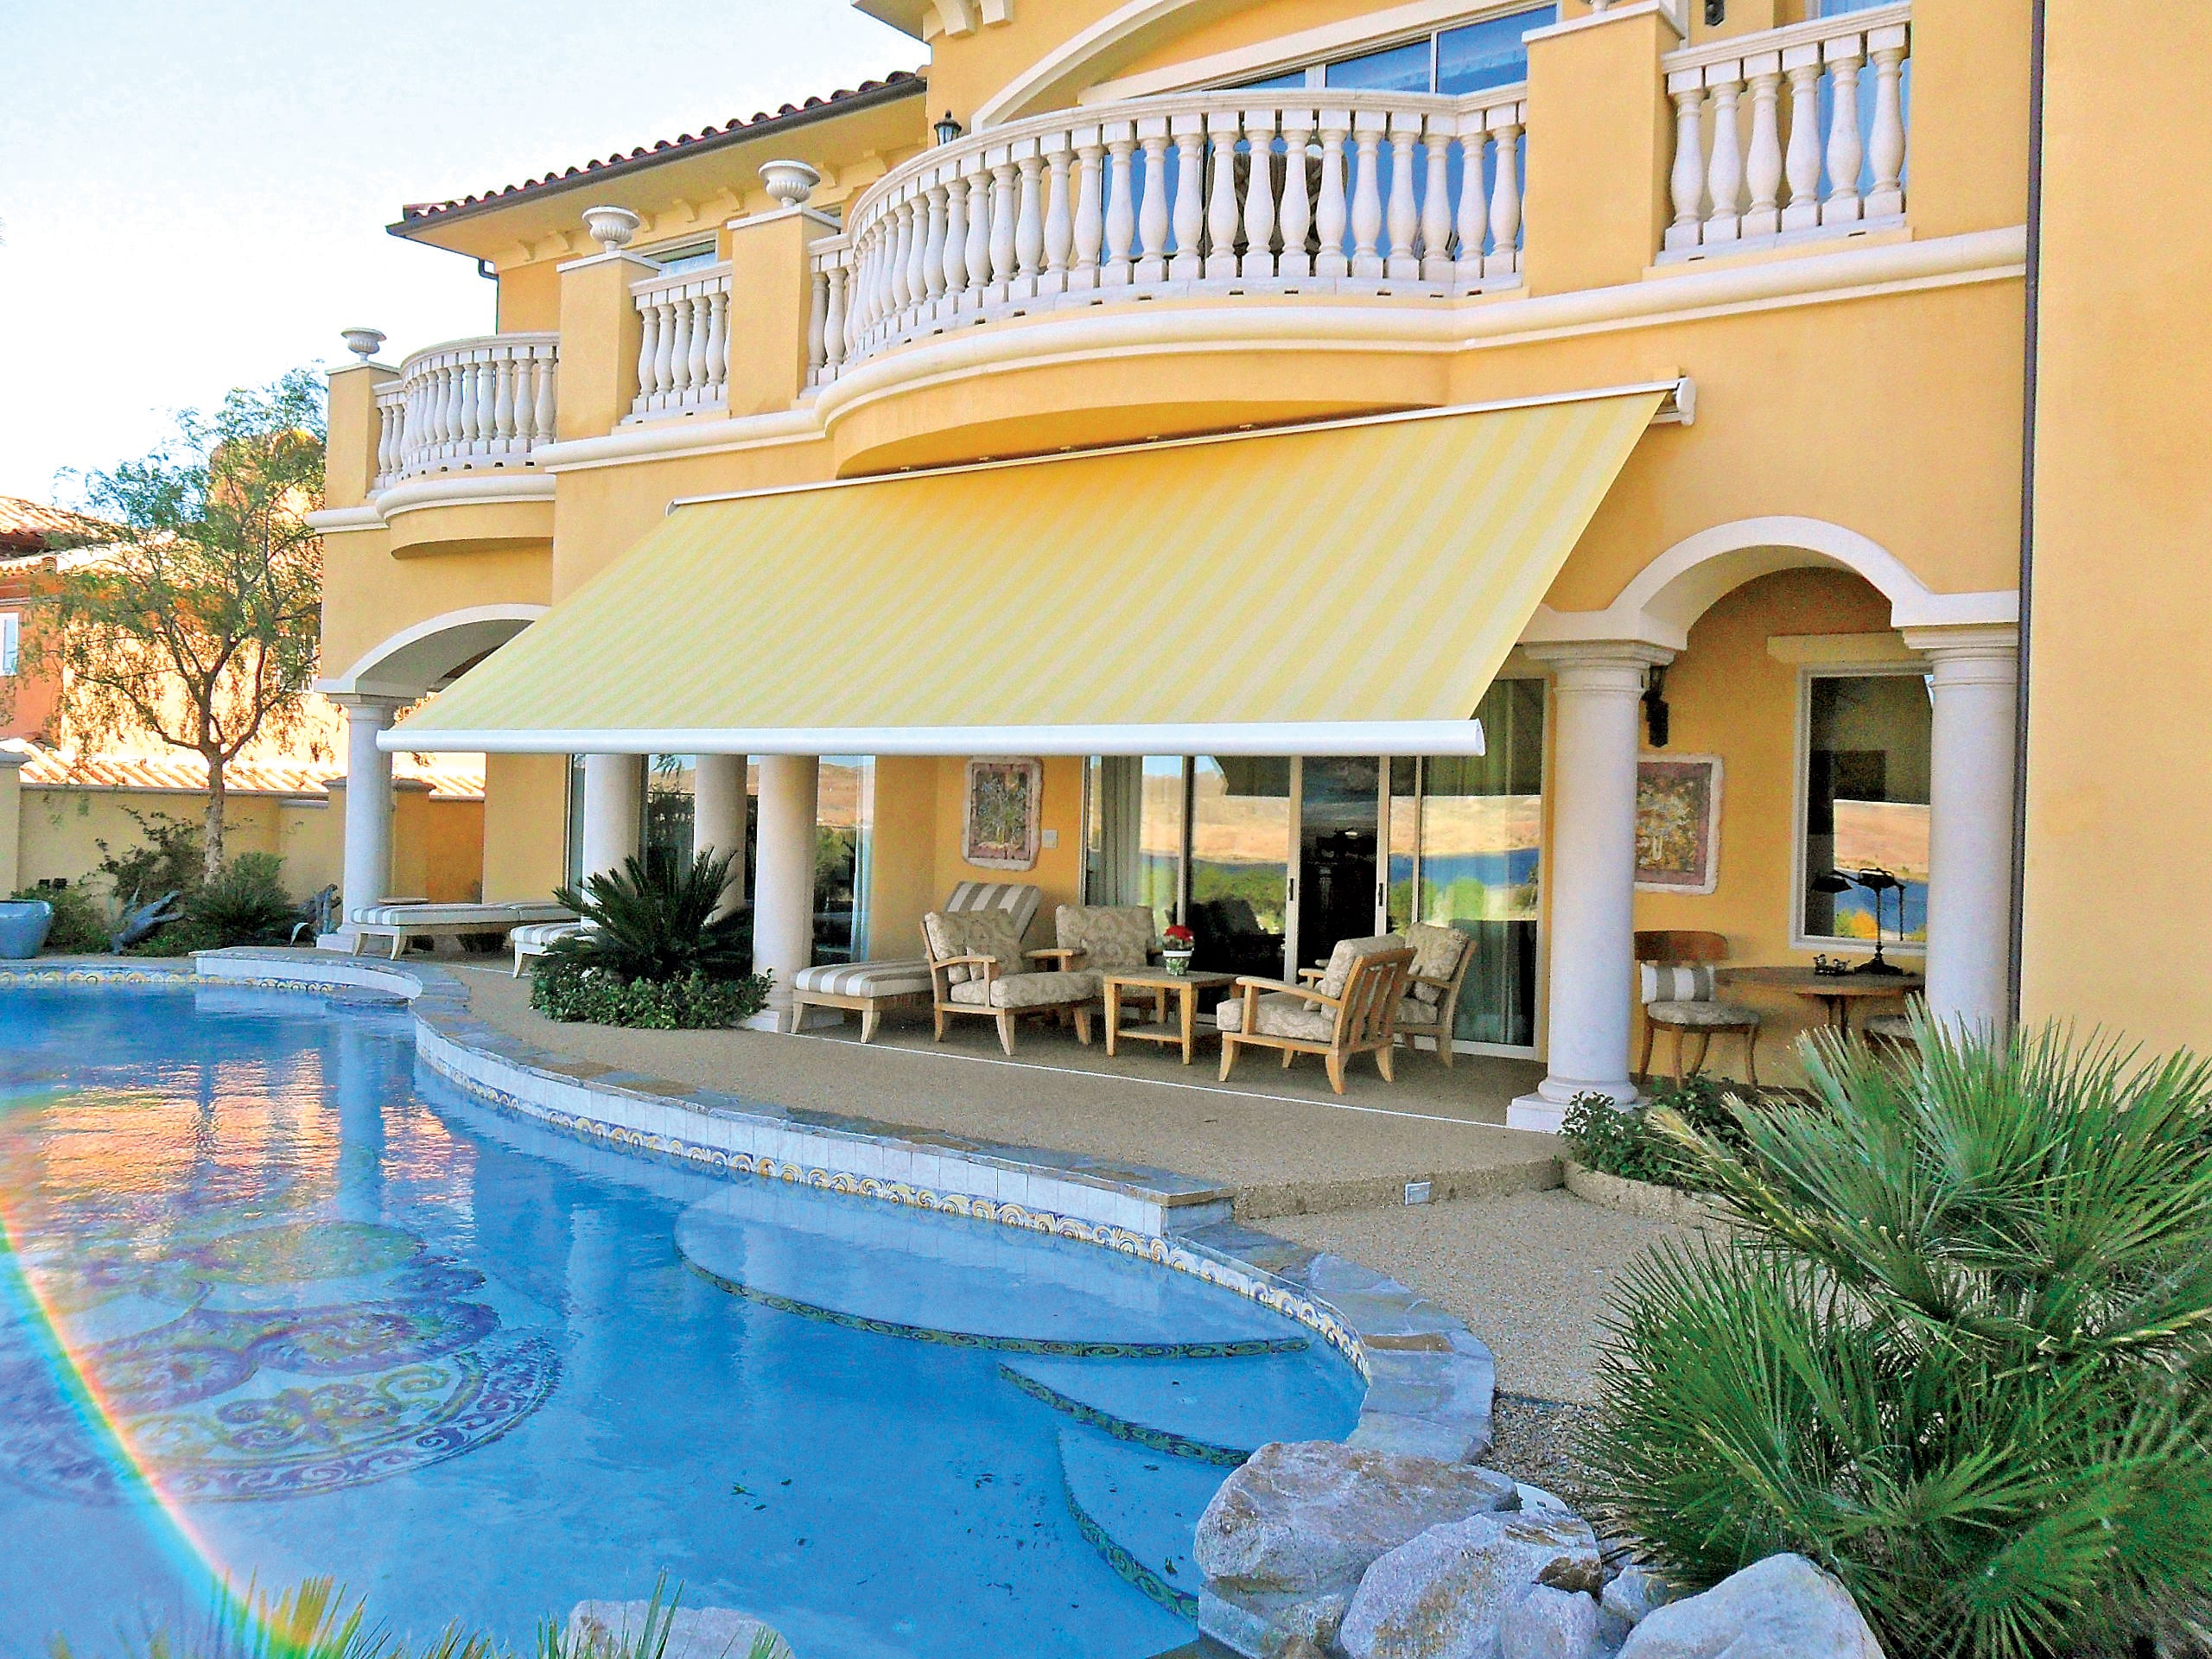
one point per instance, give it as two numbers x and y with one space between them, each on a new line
2118 784
525 826
902 879
1058 874
368 596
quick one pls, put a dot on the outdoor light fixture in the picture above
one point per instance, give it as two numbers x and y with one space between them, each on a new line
1876 881
1656 712
946 129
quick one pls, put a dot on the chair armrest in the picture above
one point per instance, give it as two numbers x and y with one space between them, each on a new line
1312 976
1424 979
989 966
1064 955
1248 983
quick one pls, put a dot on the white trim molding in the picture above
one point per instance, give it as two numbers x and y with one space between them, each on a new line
405 667
1286 737
462 489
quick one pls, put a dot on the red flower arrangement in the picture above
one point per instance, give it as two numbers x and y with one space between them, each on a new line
1178 938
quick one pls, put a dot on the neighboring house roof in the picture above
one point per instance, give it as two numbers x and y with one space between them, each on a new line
448 779
900 84
34 527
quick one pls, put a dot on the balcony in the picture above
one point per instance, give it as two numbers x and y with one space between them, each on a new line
466 405
683 342
1193 195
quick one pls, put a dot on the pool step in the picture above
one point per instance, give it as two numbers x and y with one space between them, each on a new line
1209 1413
1139 1509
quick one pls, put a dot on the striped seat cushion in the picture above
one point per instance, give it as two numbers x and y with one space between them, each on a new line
539 911
537 935
491 918
1662 982
1017 899
865 978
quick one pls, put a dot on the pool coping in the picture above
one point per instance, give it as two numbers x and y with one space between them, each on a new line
1430 1380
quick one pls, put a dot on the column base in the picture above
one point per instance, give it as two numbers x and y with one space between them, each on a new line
1545 1109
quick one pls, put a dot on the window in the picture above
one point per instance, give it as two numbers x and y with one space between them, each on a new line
671 790
1865 777
11 639
1465 58
687 255
844 822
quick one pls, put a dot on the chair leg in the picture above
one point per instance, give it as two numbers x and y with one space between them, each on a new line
1083 1024
939 1012
1679 1039
1335 1058
1752 1053
1704 1048
1288 1055
1444 1047
1005 1031
1644 1072
1383 1062
870 1013
1228 1056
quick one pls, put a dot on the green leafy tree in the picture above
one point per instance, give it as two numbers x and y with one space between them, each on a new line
199 624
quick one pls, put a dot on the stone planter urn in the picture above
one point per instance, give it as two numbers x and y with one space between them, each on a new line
23 924
790 183
362 342
611 227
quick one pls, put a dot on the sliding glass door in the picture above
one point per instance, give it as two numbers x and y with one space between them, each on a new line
1239 902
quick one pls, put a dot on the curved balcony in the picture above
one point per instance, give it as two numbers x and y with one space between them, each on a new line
468 404
1399 195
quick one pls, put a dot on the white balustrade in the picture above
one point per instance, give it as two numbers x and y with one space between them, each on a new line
470 404
1219 193
1795 131
683 343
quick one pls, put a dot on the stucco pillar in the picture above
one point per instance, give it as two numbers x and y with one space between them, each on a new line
783 894
12 762
366 872
614 810
718 820
1589 875
1976 674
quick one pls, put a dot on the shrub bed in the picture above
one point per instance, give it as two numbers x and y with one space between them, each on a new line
575 993
1631 1144
79 926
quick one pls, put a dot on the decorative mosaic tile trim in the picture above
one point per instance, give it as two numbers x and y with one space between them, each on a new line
1181 1603
1122 1428
85 973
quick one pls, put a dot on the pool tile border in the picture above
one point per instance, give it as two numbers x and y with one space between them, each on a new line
1430 1380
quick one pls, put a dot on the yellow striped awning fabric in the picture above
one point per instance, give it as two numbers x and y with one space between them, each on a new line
1350 588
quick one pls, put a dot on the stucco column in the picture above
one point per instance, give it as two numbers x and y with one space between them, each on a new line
1976 675
1589 873
783 894
367 877
718 820
614 810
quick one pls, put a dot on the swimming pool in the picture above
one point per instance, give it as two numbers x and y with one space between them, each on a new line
280 1303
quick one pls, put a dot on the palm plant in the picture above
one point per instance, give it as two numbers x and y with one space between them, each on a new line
657 919
1956 1348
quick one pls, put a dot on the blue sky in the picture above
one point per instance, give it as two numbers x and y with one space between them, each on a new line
193 195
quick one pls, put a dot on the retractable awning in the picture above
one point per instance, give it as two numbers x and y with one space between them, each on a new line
1347 588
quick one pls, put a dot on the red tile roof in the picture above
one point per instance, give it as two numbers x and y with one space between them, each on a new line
181 771
32 526
899 84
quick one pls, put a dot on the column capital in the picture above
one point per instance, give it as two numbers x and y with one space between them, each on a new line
1985 653
1598 664
361 705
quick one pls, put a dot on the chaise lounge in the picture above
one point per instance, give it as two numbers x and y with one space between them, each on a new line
405 921
868 988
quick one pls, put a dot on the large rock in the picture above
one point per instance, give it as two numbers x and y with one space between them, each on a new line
1629 1599
1548 1624
1263 1626
610 1629
1305 1517
1444 1594
1783 1607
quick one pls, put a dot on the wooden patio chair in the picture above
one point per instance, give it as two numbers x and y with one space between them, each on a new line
1681 995
1352 1009
868 988
1430 1007
976 967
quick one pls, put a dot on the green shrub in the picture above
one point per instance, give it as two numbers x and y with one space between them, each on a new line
571 992
79 926
1956 1348
167 862
245 904
1630 1143
656 919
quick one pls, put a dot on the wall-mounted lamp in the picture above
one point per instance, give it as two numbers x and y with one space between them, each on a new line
1716 13
946 129
1656 712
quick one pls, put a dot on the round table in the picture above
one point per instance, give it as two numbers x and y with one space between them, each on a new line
1834 992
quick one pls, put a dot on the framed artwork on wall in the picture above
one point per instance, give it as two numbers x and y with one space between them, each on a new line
1000 824
1677 823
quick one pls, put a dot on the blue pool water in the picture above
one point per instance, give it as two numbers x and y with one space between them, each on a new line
276 1303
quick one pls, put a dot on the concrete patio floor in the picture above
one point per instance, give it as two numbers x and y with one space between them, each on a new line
1281 1138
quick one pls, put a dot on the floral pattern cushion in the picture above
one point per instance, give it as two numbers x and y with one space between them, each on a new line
974 933
1109 935
1412 1011
1348 951
1436 952
1281 1013
1699 1014
1027 991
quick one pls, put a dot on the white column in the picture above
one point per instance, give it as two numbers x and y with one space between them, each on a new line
1976 673
366 876
782 893
614 810
718 824
1590 875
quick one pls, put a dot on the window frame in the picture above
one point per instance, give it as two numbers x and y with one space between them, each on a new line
1800 775
1316 69
11 643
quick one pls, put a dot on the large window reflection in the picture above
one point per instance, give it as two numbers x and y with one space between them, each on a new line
1868 743
1240 861
672 791
844 817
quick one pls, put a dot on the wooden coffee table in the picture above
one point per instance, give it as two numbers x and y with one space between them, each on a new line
1183 1030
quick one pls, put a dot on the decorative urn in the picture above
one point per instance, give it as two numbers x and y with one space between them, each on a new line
362 342
790 183
611 227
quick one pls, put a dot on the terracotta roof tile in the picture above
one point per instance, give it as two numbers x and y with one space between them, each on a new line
33 526
414 214
51 768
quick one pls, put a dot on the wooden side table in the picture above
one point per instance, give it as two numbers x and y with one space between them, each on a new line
1835 992
1183 1031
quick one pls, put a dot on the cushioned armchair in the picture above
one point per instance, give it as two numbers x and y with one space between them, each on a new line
976 966
1351 1009
1681 994
1430 1007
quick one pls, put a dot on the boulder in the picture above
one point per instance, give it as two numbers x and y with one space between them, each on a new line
1444 1594
609 1629
1305 1517
1548 1624
1783 1607
1628 1600
1261 1625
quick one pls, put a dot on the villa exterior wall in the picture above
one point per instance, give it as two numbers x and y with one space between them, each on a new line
368 595
525 826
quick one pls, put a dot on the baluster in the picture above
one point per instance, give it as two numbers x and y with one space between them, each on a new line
1503 258
1221 193
1029 219
979 229
384 440
1059 223
457 378
1121 210
917 257
1089 208
900 245
955 240
1436 202
1152 216
415 435
1724 177
1885 143
1367 193
1762 167
1260 194
1328 213
503 401
1801 164
472 402
817 325
547 362
701 367
665 358
1297 206
717 369
679 350
833 327
488 399
1189 208
867 268
1403 217
526 373
432 393
1845 153
933 245
1003 190
1473 217
1687 182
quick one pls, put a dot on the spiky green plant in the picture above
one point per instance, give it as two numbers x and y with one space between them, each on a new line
1956 1348
656 919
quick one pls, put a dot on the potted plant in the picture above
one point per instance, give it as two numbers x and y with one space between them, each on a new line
1177 944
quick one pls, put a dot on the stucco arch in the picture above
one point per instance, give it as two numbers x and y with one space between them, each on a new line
423 658
1666 598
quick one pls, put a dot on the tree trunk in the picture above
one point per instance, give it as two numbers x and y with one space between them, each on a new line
211 836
